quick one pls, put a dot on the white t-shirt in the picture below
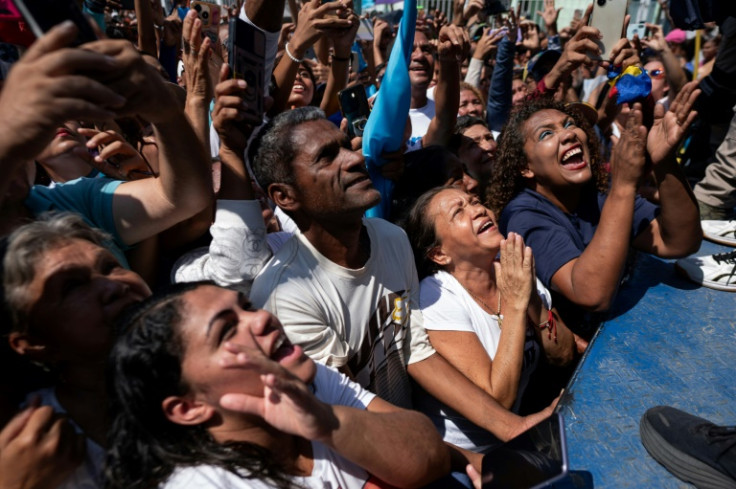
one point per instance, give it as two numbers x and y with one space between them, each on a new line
447 306
420 119
367 320
89 473
330 469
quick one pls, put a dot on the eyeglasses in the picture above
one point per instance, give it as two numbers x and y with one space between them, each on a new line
656 74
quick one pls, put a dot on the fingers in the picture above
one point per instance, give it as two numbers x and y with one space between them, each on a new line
15 426
586 16
56 38
243 403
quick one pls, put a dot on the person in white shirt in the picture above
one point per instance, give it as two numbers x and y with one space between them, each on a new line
209 393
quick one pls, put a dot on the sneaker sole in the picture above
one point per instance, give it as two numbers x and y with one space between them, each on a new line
705 283
682 465
720 240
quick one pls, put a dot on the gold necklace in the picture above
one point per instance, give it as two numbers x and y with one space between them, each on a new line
483 303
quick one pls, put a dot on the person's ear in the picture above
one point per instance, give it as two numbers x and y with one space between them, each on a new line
185 411
527 173
284 196
438 255
23 344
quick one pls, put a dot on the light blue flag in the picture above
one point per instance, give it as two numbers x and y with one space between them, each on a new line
384 131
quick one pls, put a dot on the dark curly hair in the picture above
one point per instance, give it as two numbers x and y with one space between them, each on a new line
507 180
145 368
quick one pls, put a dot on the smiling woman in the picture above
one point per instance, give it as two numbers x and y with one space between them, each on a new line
550 187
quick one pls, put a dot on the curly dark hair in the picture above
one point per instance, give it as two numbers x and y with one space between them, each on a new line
507 180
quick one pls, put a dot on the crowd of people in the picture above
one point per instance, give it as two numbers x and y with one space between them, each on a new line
191 298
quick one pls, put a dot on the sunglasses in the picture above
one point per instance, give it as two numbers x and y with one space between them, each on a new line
656 74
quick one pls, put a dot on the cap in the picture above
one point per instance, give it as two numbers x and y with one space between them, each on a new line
541 63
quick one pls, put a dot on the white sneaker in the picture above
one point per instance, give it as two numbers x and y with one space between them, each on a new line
723 232
715 271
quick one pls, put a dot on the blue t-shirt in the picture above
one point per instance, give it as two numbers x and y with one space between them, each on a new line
91 198
557 237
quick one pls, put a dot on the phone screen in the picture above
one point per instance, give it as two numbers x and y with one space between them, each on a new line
354 106
42 15
247 61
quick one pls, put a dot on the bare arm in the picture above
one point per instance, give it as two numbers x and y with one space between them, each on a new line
591 279
453 47
675 74
266 14
676 231
338 78
146 30
195 57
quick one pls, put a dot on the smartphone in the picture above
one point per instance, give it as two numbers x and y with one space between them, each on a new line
608 17
42 15
354 62
495 7
639 28
209 14
354 106
365 30
535 459
246 57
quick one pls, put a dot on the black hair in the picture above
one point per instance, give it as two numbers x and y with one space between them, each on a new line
272 150
421 231
145 369
467 121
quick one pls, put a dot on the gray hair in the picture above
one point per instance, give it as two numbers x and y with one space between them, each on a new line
26 246
273 149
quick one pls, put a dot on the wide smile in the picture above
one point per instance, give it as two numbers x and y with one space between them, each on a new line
282 350
486 225
574 158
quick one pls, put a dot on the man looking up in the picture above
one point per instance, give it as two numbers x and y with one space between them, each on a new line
345 287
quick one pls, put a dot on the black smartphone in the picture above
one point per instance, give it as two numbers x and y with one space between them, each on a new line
42 15
246 58
535 459
354 106
495 7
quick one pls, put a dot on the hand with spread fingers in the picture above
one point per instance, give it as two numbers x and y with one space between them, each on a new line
670 127
195 57
287 403
487 44
577 52
550 15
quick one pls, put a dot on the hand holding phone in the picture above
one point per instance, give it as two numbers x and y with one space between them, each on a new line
246 57
42 15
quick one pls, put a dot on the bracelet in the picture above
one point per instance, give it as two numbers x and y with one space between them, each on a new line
550 325
291 56
338 58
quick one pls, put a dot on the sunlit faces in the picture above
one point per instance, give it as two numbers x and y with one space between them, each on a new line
465 228
302 92
470 104
77 292
331 179
213 316
478 151
421 67
557 152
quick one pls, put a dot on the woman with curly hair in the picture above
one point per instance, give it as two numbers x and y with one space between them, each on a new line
550 187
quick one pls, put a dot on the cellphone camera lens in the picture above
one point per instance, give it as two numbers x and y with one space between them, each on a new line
601 3
205 15
198 7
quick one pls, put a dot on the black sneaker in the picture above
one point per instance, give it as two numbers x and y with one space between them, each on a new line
693 449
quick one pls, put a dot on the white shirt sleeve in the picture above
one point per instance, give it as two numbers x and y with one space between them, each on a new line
474 70
442 309
332 387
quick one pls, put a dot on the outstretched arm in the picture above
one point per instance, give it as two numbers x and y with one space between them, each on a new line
398 446
676 231
591 279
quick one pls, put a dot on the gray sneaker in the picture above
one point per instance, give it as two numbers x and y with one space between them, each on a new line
693 449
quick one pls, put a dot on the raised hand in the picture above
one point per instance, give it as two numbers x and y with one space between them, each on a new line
655 41
623 54
670 127
287 403
38 450
549 15
577 52
116 158
315 20
628 159
515 274
230 110
195 57
44 89
530 36
487 45
452 44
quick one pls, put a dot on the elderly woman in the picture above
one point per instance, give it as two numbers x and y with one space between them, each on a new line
487 318
209 393
551 187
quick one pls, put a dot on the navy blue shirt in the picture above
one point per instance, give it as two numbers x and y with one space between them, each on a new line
557 237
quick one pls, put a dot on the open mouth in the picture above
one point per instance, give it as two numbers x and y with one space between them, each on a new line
283 349
298 88
573 159
486 226
63 133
